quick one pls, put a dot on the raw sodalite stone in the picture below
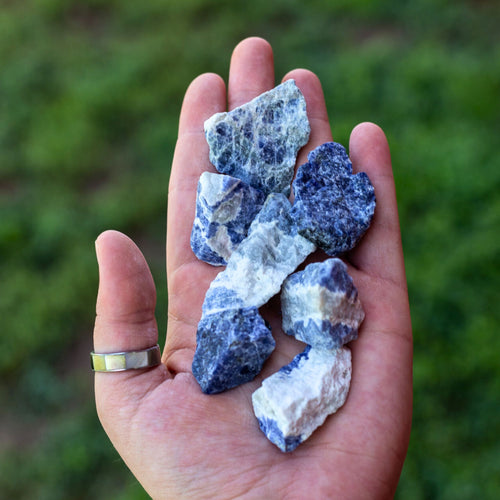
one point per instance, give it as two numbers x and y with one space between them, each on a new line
296 400
320 305
225 208
232 346
257 268
257 145
333 207
258 141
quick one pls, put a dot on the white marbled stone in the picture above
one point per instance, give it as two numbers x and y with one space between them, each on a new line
257 268
258 141
320 305
296 400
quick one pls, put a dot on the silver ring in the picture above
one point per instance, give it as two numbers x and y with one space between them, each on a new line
129 360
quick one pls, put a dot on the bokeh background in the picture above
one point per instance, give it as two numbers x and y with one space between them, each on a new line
90 93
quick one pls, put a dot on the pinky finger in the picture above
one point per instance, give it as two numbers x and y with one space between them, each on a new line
380 252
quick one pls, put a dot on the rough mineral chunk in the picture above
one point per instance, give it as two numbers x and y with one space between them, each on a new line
320 305
232 346
333 207
296 400
257 268
258 141
225 208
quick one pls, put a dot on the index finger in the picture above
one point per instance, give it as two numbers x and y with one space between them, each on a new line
205 96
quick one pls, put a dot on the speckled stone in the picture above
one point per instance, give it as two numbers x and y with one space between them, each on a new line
258 141
333 207
320 305
257 268
225 208
296 400
232 346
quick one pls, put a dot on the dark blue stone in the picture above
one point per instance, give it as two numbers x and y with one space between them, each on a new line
270 428
333 207
232 346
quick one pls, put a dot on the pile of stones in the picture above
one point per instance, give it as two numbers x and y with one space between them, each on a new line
245 222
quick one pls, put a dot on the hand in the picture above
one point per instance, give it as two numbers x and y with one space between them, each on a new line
180 443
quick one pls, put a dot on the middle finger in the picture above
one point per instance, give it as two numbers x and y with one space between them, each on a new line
251 71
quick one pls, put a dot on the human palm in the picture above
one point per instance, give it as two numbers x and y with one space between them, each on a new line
181 443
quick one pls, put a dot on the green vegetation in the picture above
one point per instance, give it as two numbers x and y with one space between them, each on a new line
89 99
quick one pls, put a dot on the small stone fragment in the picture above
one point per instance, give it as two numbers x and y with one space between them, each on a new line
257 268
333 207
225 208
258 141
232 346
320 305
296 400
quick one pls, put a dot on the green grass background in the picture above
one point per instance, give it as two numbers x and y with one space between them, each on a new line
90 94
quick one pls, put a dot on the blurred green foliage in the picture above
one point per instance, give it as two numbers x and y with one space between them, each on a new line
90 93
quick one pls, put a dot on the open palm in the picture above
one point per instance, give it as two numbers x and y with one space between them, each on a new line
181 443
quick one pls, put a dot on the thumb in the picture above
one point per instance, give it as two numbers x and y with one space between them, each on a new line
126 300
125 321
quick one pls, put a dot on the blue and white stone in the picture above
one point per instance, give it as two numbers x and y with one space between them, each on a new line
320 305
296 400
333 207
258 142
225 208
257 268
232 345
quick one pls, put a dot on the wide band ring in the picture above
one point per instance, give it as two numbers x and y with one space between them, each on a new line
129 360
